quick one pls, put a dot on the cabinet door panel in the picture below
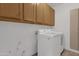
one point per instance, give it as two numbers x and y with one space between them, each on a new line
10 10
29 12
48 15
45 14
40 13
52 11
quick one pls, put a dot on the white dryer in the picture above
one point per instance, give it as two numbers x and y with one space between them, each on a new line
50 43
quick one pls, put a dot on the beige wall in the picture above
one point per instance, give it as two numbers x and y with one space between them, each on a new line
74 29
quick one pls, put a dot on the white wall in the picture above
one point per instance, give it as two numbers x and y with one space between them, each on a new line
15 32
62 20
18 37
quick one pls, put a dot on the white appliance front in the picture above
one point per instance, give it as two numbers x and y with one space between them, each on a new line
49 45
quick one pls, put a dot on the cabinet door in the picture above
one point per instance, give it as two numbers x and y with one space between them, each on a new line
10 10
45 14
48 15
40 13
29 12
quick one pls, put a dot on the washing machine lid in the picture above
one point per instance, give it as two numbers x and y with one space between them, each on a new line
49 32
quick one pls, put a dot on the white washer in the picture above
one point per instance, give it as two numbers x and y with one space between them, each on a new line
49 44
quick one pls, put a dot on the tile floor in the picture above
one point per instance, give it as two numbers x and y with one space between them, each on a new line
69 53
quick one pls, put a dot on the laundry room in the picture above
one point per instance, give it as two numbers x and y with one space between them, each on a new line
39 29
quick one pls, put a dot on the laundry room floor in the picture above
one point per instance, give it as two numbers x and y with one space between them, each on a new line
66 53
69 53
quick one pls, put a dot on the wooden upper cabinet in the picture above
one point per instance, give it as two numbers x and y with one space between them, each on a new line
48 15
40 13
29 12
11 10
52 16
45 14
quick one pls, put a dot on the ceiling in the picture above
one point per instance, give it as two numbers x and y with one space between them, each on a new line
55 4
